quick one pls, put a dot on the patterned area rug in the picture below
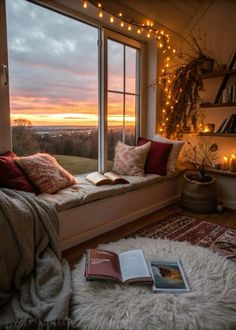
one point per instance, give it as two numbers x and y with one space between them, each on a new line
178 227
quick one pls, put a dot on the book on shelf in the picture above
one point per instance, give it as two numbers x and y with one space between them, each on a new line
231 125
127 267
168 276
98 179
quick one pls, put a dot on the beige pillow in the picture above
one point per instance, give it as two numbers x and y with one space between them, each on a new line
130 160
174 154
45 173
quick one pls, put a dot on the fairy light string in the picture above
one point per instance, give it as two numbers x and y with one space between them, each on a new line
164 44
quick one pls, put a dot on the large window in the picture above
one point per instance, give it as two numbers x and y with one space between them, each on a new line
53 74
123 94
67 97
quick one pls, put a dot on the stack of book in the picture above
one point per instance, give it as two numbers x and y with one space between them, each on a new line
228 125
229 94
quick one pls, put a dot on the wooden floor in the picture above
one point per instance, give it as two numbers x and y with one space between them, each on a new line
226 218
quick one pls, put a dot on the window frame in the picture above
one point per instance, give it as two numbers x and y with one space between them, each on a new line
103 35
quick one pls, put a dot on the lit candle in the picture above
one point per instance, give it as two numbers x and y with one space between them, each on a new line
225 165
232 163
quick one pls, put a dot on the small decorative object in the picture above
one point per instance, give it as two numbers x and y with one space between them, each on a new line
199 191
220 208
225 165
210 127
232 163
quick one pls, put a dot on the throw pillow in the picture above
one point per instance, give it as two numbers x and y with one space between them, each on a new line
11 176
45 173
174 154
157 157
130 160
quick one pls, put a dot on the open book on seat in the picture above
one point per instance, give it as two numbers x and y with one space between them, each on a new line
129 266
98 179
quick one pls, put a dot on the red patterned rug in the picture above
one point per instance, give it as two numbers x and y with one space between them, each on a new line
219 239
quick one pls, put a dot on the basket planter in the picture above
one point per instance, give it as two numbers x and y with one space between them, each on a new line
199 197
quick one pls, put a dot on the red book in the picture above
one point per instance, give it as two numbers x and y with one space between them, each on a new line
129 266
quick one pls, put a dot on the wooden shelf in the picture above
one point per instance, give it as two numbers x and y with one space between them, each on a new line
225 135
218 74
217 105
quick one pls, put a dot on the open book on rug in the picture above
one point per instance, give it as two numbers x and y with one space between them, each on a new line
98 179
129 266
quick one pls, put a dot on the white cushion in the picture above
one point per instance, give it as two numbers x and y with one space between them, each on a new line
174 154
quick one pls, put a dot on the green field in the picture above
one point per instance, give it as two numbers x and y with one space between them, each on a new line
78 165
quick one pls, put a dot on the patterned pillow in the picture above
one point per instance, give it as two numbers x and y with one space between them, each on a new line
130 160
45 173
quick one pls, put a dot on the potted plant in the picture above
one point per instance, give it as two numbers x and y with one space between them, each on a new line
199 191
181 89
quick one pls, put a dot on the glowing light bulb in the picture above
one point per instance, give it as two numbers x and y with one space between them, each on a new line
138 31
148 35
100 14
174 51
122 24
148 23
99 5
162 32
129 28
120 14
159 37
111 19
160 45
85 4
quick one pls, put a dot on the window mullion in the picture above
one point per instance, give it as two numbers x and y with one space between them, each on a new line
103 56
124 89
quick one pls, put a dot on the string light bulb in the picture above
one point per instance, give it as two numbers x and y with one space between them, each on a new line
148 35
111 19
99 5
100 14
85 4
138 31
120 14
122 24
129 28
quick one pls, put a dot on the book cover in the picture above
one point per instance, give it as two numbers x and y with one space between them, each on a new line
168 276
98 179
129 266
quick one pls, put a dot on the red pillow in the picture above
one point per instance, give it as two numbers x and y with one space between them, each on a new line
157 157
11 175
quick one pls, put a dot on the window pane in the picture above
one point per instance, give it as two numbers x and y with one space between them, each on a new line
130 69
115 66
53 72
130 121
115 123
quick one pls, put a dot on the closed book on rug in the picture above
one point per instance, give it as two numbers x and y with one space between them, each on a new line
168 276
98 179
129 266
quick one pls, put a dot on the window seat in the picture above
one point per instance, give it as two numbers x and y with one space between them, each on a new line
86 211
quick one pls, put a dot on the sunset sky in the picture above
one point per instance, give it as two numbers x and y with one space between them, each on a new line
53 69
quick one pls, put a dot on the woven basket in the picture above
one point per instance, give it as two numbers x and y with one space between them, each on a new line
199 197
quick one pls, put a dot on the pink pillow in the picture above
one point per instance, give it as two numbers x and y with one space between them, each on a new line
11 175
45 173
157 158
130 160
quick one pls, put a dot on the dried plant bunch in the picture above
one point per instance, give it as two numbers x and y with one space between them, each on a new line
201 156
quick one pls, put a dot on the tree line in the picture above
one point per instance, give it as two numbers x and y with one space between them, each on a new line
26 141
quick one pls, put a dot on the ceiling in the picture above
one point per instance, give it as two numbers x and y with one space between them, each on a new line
176 15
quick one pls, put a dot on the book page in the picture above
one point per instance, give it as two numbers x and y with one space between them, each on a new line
97 178
115 177
133 265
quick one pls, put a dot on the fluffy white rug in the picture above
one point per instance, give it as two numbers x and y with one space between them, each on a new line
211 304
